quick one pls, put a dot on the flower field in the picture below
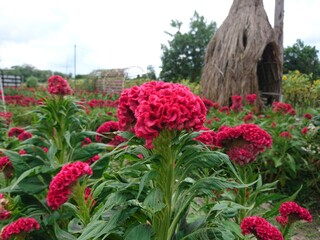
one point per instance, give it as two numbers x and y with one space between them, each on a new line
156 162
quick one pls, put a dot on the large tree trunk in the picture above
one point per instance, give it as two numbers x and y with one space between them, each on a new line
243 56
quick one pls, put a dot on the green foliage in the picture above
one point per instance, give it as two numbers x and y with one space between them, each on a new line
299 90
183 58
32 82
303 58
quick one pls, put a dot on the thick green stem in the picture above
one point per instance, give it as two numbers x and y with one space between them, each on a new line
78 195
165 181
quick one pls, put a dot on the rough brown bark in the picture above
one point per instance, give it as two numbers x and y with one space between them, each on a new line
243 56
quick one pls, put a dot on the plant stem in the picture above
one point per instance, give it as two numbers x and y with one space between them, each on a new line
165 181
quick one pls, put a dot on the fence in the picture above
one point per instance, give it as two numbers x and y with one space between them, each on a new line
11 80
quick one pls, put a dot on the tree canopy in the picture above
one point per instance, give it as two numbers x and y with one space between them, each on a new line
183 57
303 58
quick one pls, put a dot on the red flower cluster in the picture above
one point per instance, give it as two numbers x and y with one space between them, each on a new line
304 131
285 135
5 162
307 116
291 212
6 167
21 225
248 118
57 85
20 133
261 228
155 106
7 117
236 103
251 99
284 108
244 142
59 188
208 137
108 129
209 104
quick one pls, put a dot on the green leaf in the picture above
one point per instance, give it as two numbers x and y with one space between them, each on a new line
60 234
140 232
88 151
75 226
147 177
154 201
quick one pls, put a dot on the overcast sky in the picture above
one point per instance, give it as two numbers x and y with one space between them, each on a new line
119 33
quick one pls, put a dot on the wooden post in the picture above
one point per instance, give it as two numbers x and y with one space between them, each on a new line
278 25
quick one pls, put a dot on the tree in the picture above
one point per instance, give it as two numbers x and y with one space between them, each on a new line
243 57
303 58
184 56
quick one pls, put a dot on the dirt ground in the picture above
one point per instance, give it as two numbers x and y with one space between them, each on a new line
305 230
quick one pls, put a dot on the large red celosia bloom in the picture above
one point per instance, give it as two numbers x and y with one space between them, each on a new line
59 188
244 142
261 228
57 85
21 225
154 106
291 212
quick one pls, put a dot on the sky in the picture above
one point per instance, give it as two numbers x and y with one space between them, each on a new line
81 36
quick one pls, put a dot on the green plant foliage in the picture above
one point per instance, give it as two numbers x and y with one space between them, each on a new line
183 58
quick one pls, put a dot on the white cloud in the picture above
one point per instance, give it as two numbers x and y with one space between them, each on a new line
122 33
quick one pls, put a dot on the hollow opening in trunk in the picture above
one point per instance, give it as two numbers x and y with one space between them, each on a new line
267 72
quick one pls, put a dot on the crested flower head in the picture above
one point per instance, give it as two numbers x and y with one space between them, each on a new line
24 136
59 188
260 228
155 106
244 142
22 225
251 99
57 85
236 103
207 137
107 129
291 212
284 108
15 131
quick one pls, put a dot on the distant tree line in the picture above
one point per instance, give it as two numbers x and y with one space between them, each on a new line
27 71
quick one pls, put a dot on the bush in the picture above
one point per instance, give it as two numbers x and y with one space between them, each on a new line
32 82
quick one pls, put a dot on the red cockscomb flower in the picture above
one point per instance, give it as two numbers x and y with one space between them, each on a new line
243 143
24 136
251 98
291 212
236 103
260 228
15 131
22 225
285 135
59 188
57 85
6 167
304 131
107 129
308 116
154 106
284 108
208 137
